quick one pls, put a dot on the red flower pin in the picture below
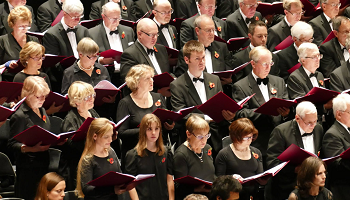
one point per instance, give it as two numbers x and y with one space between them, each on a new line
44 118
255 155
163 160
256 18
273 91
174 36
209 152
219 29
155 49
110 160
98 71
211 85
216 55
123 35
321 82
158 103
124 8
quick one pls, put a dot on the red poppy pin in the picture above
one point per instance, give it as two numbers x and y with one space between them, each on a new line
255 155
318 153
257 18
219 28
209 152
163 160
211 85
321 82
110 160
174 36
124 8
158 103
216 55
123 35
155 49
98 71
44 118
273 91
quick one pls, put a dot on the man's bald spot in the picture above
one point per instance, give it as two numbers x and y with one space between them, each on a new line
146 23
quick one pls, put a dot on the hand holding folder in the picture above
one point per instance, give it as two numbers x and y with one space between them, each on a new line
165 115
111 53
233 44
189 180
6 112
270 107
229 73
10 90
59 100
270 8
267 174
104 89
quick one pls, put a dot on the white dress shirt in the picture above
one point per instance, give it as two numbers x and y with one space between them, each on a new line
166 34
312 79
153 59
208 61
308 141
345 52
72 39
115 43
263 88
328 18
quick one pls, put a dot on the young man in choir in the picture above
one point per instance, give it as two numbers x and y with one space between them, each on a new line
225 188
303 131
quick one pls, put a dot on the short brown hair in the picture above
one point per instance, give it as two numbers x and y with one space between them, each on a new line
194 122
46 184
254 24
19 13
240 128
34 85
31 49
287 4
87 46
133 76
200 1
192 46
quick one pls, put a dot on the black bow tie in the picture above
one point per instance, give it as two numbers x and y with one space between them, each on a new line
150 51
163 26
198 79
209 48
114 32
330 21
71 30
262 80
247 20
306 134
312 75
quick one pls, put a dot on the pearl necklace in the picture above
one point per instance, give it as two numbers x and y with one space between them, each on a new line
84 69
201 154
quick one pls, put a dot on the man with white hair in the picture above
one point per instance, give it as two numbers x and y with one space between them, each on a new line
96 8
335 141
301 32
303 131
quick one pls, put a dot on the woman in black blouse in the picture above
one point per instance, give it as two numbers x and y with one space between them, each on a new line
137 104
31 162
151 157
239 158
194 157
98 159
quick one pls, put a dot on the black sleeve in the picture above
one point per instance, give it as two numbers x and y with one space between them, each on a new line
125 131
220 163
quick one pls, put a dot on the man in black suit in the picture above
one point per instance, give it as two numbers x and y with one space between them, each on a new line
303 131
206 7
168 36
322 24
96 8
257 33
340 78
335 141
146 51
141 7
226 7
238 22
112 35
193 88
277 33
265 86
334 51
5 9
301 32
186 8
47 13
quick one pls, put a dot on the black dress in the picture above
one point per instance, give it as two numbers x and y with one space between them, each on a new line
94 168
324 194
186 162
30 167
227 163
21 76
156 187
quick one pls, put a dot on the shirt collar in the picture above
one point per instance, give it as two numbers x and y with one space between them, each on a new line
295 46
285 19
10 6
251 46
191 76
59 1
255 76
307 71
107 29
158 24
145 48
302 132
64 24
346 127
328 18
243 15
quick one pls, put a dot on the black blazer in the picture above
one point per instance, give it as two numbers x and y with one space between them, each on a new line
321 28
136 54
332 57
4 13
277 34
173 35
141 7
56 40
187 31
226 7
186 8
99 35
236 26
47 13
340 78
96 9
288 58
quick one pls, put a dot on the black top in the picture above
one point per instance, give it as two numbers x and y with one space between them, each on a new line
324 194
21 76
94 168
74 73
156 187
129 131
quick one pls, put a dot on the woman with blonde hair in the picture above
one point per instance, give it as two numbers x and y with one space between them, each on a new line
97 159
51 187
151 157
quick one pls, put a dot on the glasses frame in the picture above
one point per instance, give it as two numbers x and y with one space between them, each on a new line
310 124
92 57
24 27
87 98
208 31
318 56
200 137
75 18
165 13
249 6
113 20
150 35
334 5
37 59
297 14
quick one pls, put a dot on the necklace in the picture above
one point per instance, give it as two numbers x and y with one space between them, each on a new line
84 69
200 156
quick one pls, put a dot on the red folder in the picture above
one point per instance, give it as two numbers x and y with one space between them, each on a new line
132 24
111 53
41 135
344 3
329 37
285 43
318 95
162 80
189 180
51 60
267 174
90 23
82 131
11 90
6 112
105 88
59 99
310 9
58 18
177 23
173 53
68 61
117 178
165 115
228 73
219 102
270 8
295 155
270 107
295 67
233 44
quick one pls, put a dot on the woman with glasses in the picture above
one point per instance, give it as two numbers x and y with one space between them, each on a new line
194 157
150 156
311 181
19 20
239 158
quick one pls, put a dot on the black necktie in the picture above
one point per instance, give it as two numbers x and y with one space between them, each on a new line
262 80
164 26
209 48
150 51
247 20
114 32
312 75
71 30
198 79
306 134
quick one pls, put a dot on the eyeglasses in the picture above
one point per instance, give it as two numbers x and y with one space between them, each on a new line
166 13
250 5
266 64
248 138
27 27
38 58
208 30
75 17
309 40
92 57
200 137
151 35
309 123
208 7
335 5
90 97
318 56
113 19
43 97
297 14
345 111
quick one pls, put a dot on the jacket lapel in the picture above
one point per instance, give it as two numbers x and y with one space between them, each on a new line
325 23
255 89
346 73
285 28
65 39
297 134
272 88
338 50
305 77
104 38
243 25
143 52
191 89
124 41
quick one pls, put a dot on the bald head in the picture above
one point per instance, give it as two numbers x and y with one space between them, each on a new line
111 15
147 32
162 11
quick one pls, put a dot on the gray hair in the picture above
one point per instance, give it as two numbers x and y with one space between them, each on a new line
306 47
110 6
347 42
338 21
302 29
340 102
305 107
256 53
73 6
240 1
198 20
323 1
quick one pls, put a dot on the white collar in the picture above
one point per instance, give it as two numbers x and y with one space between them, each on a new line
191 76
243 15
307 71
285 19
64 24
346 127
251 46
10 6
107 29
302 132
328 18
